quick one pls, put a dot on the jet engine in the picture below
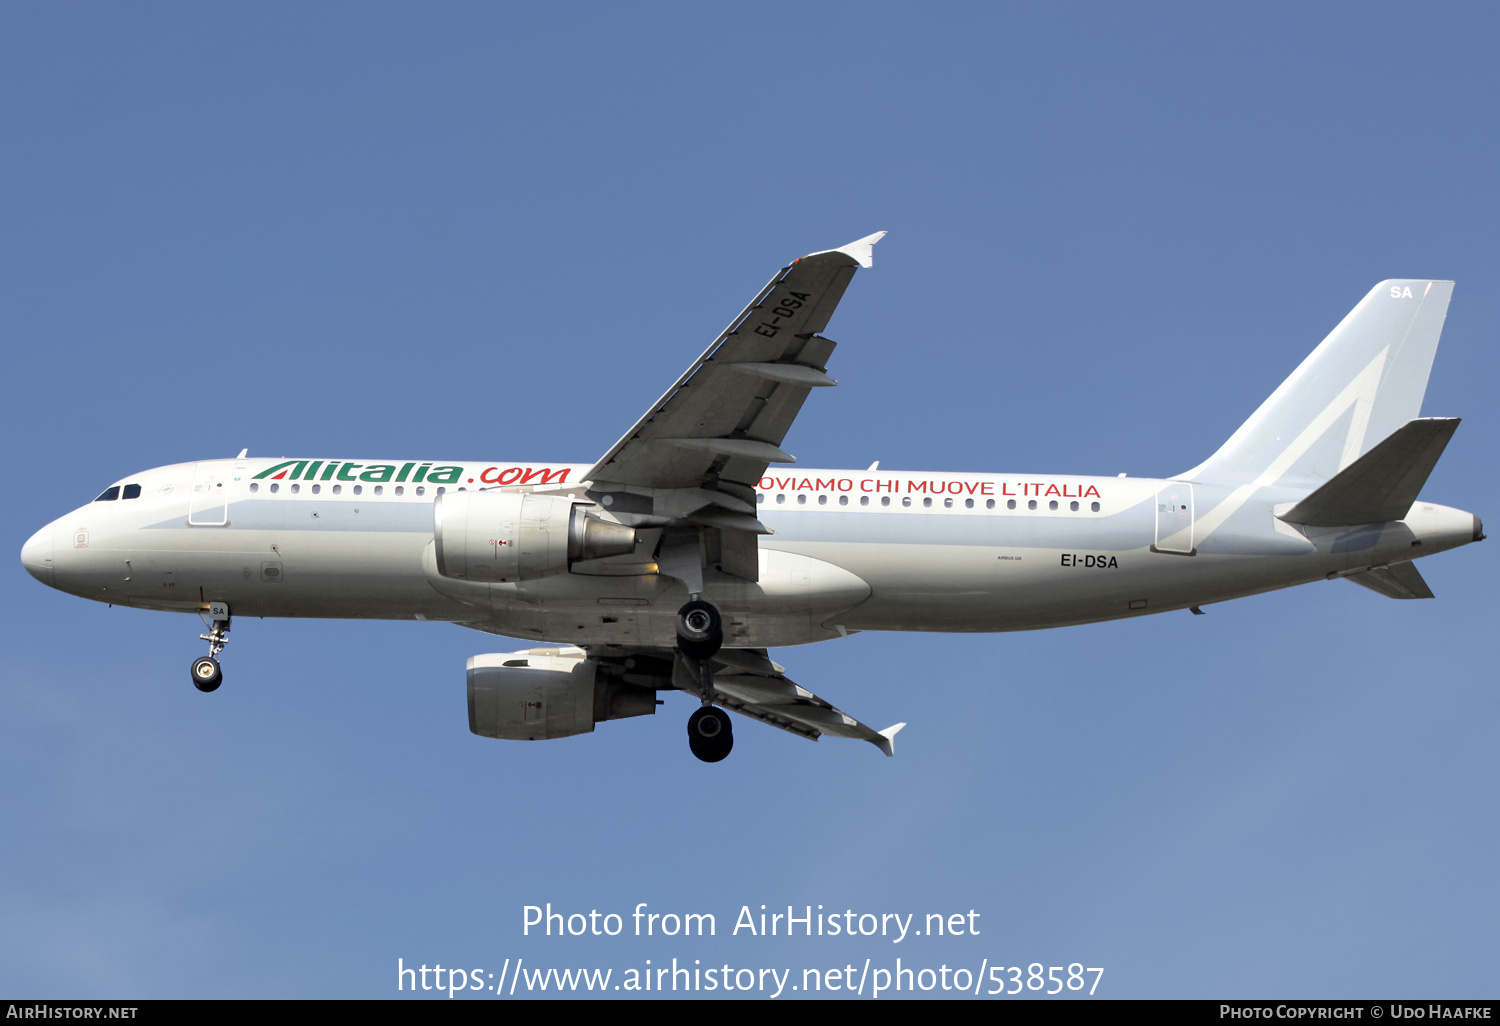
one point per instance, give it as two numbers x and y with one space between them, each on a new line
548 692
519 536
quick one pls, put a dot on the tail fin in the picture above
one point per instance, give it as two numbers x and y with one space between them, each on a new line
1360 385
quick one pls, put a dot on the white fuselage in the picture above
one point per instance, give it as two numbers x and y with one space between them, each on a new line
851 551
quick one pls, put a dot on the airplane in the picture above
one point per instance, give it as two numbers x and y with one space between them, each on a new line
695 543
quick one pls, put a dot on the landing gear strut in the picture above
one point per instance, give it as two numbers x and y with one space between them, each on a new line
206 672
700 634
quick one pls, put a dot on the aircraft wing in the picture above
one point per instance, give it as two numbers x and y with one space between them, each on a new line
723 421
748 682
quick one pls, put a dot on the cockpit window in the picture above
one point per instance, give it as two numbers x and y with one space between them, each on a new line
109 494
132 491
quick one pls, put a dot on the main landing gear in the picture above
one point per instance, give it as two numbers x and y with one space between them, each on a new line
709 734
700 630
207 675
700 634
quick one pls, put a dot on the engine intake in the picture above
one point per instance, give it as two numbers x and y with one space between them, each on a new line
545 693
519 536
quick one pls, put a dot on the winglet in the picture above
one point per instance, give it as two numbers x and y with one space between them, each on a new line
887 742
862 251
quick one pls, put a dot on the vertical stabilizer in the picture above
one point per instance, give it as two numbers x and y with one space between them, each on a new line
1359 386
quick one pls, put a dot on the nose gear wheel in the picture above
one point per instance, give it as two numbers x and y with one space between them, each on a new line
206 673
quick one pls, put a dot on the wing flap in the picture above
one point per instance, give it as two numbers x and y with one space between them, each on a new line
747 682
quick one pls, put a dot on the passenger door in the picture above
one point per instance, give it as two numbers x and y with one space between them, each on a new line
208 502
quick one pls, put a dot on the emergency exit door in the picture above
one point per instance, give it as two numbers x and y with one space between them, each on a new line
1174 519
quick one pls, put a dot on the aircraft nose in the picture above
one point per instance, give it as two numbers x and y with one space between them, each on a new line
36 555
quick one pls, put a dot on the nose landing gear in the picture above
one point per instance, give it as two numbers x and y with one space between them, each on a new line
207 675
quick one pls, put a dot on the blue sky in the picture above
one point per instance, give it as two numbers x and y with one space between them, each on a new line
497 232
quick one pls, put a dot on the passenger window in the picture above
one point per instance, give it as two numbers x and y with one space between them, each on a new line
927 503
339 489
801 500
317 489
275 487
360 489
380 489
885 500
109 494
400 490
1094 506
132 491
1010 504
254 487
1073 506
421 489
990 504
760 497
441 490
906 500
948 503
864 500
296 488
822 500
969 504
843 500
1031 504
1052 504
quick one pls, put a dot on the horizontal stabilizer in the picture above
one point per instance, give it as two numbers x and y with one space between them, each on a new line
1382 484
1397 581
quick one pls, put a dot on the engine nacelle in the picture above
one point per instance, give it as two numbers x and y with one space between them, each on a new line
519 536
547 692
